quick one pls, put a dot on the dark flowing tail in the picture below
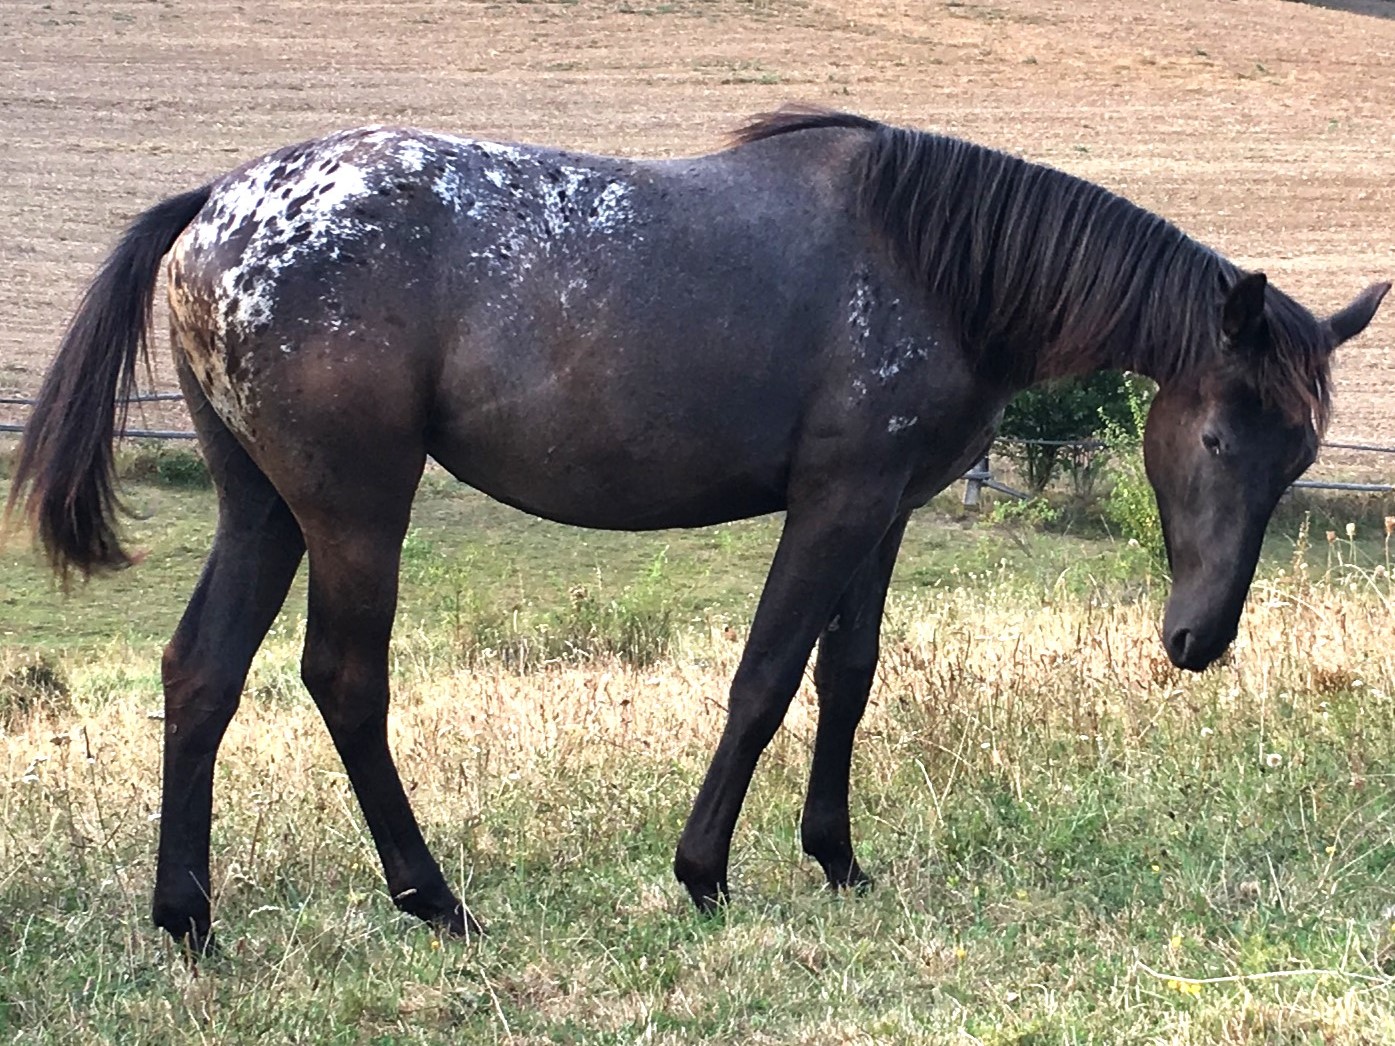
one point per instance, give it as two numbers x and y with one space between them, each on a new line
66 456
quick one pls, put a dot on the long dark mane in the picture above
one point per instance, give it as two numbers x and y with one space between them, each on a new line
1053 275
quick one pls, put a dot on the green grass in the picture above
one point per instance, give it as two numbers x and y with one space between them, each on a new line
471 561
467 553
1072 842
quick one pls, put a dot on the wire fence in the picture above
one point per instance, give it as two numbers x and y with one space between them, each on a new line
981 474
975 480
152 397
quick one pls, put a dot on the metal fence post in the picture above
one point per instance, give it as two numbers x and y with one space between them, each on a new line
974 480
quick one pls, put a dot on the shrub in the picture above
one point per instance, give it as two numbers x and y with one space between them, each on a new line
1070 410
1130 505
168 464
36 686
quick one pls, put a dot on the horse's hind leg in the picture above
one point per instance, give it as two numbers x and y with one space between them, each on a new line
355 546
255 553
847 662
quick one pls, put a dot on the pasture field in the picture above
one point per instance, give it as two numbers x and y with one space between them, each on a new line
1073 842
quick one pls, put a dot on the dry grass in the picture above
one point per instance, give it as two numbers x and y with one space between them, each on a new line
1053 812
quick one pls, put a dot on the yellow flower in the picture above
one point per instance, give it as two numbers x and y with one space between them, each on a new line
1183 987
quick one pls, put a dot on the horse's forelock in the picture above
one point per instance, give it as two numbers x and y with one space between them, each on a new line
1294 373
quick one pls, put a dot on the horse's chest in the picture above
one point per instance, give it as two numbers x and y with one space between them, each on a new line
951 448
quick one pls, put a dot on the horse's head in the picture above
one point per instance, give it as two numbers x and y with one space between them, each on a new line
1225 441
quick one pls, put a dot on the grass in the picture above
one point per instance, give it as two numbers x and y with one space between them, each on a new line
1073 842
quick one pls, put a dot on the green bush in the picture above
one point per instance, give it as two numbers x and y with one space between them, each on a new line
1130 505
1069 410
168 464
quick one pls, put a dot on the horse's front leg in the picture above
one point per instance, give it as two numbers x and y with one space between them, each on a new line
843 673
824 542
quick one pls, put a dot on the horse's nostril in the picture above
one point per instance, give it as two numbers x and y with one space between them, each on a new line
1179 645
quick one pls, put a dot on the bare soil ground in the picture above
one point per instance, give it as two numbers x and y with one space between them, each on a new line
1264 127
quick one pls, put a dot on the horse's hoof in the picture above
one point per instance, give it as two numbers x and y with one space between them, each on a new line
197 945
855 881
705 882
709 900
202 946
191 933
459 923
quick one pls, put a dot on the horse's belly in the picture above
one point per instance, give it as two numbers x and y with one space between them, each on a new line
615 495
629 467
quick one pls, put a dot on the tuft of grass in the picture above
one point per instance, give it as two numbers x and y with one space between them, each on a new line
34 686
178 465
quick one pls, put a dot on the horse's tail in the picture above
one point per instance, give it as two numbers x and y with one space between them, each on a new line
65 456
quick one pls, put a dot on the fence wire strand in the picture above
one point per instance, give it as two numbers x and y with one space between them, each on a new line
975 475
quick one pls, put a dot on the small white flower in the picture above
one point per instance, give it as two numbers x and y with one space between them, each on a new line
1206 731
1273 760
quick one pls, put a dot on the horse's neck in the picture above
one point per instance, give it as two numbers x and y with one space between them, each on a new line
1067 358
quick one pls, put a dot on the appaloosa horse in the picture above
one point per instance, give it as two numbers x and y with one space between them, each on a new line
826 318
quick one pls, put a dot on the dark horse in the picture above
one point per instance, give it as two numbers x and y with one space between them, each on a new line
826 319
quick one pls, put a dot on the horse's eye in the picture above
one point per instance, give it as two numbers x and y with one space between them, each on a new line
1211 442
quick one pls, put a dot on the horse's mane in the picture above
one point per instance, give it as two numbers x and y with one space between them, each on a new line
1052 275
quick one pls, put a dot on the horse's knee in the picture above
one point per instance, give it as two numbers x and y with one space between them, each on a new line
759 697
201 696
850 677
350 699
319 671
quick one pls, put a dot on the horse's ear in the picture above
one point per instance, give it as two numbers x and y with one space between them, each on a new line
1351 321
1244 306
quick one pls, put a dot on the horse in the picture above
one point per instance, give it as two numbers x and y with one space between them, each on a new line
826 318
